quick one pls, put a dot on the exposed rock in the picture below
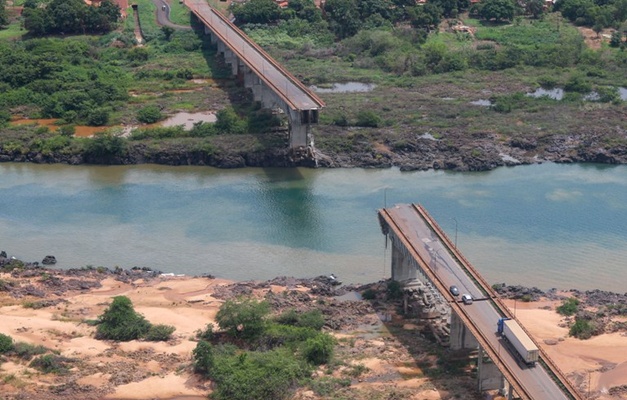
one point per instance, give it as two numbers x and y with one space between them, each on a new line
48 260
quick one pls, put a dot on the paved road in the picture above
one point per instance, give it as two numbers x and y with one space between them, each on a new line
535 380
284 84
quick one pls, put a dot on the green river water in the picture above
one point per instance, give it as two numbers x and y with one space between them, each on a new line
545 225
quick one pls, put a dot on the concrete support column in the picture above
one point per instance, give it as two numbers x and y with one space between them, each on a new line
402 268
488 375
461 338
299 132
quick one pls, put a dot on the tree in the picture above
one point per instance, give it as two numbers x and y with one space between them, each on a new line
4 17
243 318
343 16
498 10
120 321
535 8
451 8
426 17
167 31
257 12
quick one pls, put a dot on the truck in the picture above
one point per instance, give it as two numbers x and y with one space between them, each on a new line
517 339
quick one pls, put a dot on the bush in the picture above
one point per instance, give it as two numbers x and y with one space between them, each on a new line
104 145
257 375
369 294
569 306
203 358
159 333
149 114
311 319
319 350
6 343
367 118
120 322
98 117
394 290
243 318
582 329
276 335
51 364
207 334
26 351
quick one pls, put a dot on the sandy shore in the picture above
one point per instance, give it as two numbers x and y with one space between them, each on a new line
601 360
147 370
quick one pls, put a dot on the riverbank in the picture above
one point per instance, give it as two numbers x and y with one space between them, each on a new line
379 352
408 151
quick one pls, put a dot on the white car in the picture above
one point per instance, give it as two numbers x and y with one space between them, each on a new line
466 298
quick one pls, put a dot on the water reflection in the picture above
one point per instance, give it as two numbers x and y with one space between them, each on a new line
555 94
348 87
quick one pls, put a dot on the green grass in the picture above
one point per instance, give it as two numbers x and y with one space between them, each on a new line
13 31
179 13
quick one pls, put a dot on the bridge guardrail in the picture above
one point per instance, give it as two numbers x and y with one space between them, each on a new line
461 312
555 370
193 5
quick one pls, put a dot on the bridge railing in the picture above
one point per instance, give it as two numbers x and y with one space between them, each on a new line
199 7
554 369
460 311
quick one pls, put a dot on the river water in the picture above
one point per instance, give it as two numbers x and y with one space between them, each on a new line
545 225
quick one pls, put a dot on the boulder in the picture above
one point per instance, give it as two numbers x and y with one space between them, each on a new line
49 260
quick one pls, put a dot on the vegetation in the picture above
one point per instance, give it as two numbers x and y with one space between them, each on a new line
582 328
6 343
120 322
275 355
69 16
569 306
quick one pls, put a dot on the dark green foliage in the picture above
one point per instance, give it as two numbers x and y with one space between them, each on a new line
257 375
368 118
276 335
120 322
159 333
582 329
4 18
498 10
228 122
569 306
369 294
149 114
158 133
67 130
51 364
98 117
105 145
256 12
243 318
578 83
343 17
394 290
204 358
206 334
319 350
310 319
6 343
70 17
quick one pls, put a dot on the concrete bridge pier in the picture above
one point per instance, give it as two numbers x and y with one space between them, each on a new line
488 375
461 338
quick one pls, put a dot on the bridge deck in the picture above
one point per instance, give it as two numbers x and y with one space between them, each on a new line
443 264
282 82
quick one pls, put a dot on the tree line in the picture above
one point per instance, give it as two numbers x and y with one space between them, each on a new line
69 17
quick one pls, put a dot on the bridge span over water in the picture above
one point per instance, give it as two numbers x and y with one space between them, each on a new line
421 250
271 83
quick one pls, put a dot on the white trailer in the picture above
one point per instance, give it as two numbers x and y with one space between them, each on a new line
522 344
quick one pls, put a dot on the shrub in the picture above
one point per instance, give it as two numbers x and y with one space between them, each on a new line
244 318
319 350
51 364
394 290
120 322
6 343
207 334
367 118
568 307
105 145
149 114
276 335
98 117
203 358
26 351
257 375
582 329
159 333
311 319
369 294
